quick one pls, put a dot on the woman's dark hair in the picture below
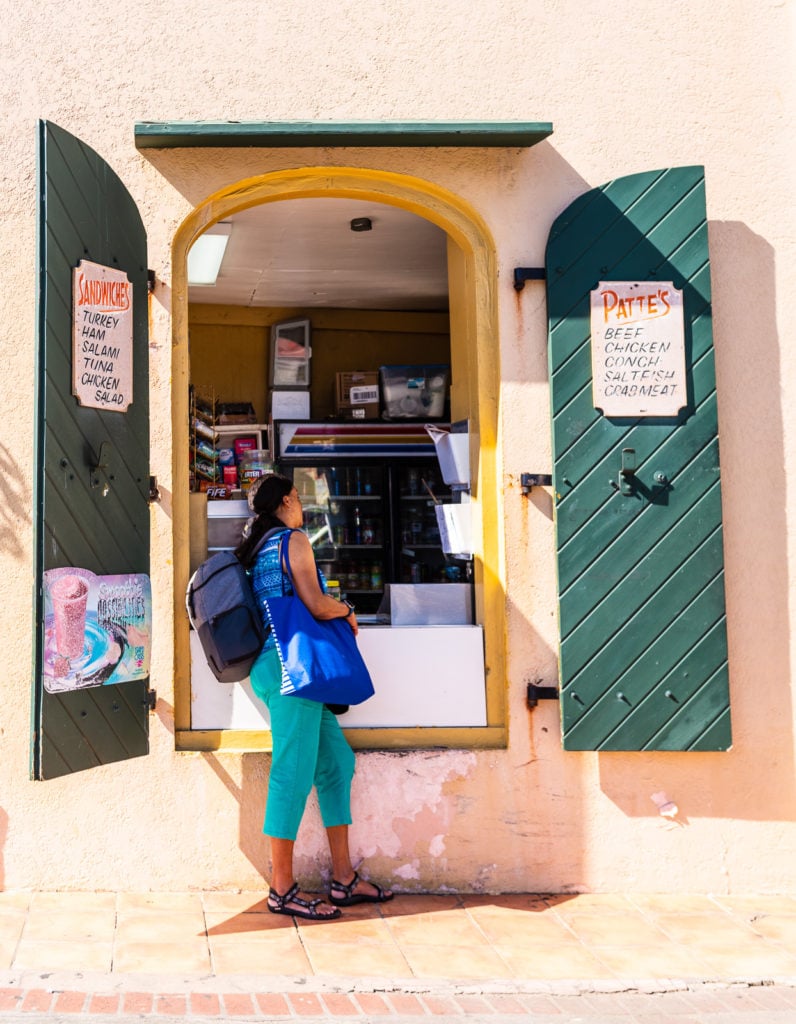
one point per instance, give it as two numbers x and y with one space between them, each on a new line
271 489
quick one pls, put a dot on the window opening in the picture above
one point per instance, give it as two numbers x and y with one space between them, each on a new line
359 316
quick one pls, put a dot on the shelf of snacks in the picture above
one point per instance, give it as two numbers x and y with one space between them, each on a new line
228 448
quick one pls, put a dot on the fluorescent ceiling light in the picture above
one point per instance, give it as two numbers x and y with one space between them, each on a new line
206 254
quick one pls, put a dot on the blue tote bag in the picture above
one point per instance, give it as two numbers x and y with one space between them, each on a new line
320 658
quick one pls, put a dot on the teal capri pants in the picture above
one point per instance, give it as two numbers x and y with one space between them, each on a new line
308 747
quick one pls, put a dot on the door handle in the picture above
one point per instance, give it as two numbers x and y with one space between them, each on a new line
629 484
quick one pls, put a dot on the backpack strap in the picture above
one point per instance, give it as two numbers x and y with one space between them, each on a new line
266 536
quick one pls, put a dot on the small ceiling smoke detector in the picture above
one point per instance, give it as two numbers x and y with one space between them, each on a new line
361 224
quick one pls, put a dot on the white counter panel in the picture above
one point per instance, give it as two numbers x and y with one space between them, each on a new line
423 676
217 705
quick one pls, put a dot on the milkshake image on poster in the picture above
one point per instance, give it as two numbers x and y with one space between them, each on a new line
97 629
69 595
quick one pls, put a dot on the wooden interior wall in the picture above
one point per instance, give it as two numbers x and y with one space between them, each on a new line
229 348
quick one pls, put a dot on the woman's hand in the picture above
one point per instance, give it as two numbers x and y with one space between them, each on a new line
305 581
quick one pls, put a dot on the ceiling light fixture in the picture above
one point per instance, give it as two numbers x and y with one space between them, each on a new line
361 224
206 254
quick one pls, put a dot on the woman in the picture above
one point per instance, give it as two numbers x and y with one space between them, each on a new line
308 743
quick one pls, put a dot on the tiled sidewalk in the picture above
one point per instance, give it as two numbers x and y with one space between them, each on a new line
544 938
212 954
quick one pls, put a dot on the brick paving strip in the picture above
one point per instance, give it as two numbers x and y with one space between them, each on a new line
46 998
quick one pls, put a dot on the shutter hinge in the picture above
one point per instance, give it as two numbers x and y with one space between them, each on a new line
150 281
523 274
151 700
529 480
537 693
154 492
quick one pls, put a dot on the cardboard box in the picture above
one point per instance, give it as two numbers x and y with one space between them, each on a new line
357 395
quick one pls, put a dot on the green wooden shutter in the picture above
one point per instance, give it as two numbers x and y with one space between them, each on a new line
85 213
643 650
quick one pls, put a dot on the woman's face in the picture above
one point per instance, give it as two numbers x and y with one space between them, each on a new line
294 513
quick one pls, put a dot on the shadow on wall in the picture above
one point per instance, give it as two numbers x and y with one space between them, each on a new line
3 837
748 378
14 506
250 796
312 862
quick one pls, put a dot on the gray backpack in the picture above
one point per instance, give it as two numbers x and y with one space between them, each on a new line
224 612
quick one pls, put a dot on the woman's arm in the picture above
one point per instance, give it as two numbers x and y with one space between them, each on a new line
305 581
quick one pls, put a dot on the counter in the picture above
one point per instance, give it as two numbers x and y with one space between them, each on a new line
429 676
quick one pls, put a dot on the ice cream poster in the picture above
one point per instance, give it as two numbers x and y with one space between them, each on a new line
97 629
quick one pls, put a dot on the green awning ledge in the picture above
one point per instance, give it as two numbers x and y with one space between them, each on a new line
286 134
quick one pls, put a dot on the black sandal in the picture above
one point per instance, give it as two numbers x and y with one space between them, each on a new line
351 898
306 908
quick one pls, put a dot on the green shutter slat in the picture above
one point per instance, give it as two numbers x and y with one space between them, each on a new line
642 552
650 674
585 527
715 737
86 213
600 663
653 694
702 723
640 578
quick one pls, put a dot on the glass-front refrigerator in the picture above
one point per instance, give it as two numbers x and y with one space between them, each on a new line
369 493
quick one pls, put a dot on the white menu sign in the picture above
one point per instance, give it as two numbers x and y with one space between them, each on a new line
638 348
102 337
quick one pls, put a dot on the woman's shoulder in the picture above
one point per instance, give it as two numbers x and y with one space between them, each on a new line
270 542
298 537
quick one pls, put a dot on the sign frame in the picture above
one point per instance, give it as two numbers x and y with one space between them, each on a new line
638 349
102 337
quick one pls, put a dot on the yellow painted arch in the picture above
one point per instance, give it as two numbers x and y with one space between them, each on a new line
474 395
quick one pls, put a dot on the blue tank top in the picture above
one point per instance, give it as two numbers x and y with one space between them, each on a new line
268 579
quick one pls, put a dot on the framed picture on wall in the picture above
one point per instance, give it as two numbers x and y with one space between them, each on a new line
290 354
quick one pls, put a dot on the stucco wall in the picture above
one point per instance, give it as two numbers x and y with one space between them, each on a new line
628 88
